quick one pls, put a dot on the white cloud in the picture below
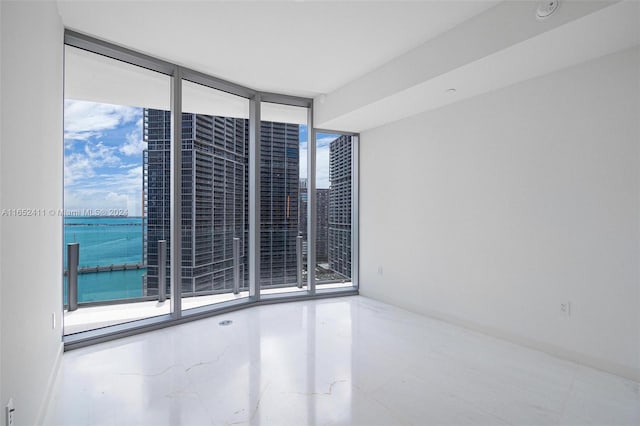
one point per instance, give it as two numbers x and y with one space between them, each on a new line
322 167
84 120
105 201
134 145
303 162
90 179
129 165
77 167
122 191
101 155
114 200
325 141
80 166
83 165
322 161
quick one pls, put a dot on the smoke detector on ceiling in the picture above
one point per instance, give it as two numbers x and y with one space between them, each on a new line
547 8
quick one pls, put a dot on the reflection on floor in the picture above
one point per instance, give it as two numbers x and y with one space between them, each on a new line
341 361
90 318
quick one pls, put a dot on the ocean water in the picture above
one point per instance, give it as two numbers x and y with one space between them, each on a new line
106 241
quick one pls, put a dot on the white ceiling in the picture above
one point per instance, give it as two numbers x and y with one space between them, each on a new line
420 80
293 47
366 63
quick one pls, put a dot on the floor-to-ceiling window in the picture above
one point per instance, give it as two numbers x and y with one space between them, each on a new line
186 195
283 140
106 197
335 189
215 196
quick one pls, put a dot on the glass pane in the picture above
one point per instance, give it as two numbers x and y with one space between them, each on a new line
283 144
105 203
215 196
333 194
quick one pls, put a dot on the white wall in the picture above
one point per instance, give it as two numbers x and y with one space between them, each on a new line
2 400
30 177
491 212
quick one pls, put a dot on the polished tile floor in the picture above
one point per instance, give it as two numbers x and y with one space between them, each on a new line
342 361
92 317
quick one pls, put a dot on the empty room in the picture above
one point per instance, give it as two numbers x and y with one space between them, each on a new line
320 212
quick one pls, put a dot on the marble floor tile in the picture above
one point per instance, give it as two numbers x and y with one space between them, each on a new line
342 361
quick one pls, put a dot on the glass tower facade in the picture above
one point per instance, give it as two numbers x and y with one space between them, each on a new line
322 220
279 202
214 203
340 153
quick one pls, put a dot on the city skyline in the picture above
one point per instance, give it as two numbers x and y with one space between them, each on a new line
103 145
215 203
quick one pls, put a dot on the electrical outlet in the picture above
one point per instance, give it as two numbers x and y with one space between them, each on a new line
10 413
565 308
379 270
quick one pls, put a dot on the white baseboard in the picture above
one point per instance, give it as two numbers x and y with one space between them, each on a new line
550 349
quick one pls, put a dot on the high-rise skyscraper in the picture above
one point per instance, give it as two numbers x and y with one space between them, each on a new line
279 202
215 199
340 205
322 220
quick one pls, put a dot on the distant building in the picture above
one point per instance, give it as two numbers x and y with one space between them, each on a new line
215 198
322 221
322 225
340 206
279 202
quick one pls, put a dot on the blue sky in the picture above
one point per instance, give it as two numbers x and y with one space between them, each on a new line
103 156
103 147
323 141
